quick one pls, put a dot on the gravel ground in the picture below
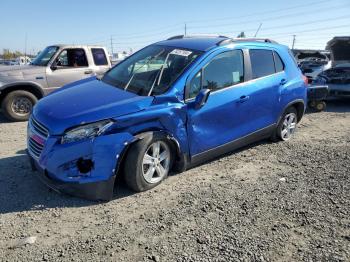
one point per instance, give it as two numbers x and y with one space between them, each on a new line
268 202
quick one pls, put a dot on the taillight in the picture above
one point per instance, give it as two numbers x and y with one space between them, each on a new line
306 80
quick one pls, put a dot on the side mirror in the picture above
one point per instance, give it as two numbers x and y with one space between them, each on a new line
53 66
201 98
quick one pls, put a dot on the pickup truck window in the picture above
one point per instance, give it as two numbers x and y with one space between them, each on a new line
45 56
74 57
152 70
99 56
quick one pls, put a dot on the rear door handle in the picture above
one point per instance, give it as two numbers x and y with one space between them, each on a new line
87 72
283 82
243 99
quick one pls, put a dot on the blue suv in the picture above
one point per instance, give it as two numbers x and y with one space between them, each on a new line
170 106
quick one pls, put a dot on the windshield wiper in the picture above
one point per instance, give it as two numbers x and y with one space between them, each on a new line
159 75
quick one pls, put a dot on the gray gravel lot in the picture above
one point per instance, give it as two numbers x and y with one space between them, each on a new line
268 202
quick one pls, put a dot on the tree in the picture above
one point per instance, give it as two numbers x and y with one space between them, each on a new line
7 54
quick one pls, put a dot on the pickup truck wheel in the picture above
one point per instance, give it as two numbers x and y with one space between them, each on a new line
18 105
287 125
147 163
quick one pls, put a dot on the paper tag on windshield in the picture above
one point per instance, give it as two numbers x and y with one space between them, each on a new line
180 52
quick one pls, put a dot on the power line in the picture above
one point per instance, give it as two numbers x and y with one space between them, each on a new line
269 18
137 35
264 12
311 30
323 20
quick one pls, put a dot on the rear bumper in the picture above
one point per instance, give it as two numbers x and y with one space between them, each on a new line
99 190
339 90
339 93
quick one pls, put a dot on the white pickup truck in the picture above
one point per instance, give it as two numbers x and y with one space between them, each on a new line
55 66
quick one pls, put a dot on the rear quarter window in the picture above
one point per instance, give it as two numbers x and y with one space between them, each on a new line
99 56
279 65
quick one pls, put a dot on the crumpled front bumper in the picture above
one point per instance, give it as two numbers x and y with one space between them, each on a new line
57 165
100 190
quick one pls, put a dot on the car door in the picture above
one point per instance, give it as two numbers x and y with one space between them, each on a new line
69 66
268 79
238 105
219 120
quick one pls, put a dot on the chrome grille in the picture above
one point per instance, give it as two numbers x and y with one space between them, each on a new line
34 147
37 135
38 128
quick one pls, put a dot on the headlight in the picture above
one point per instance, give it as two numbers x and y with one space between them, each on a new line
85 131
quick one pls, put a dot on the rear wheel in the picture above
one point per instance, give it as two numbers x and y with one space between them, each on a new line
18 105
148 163
287 125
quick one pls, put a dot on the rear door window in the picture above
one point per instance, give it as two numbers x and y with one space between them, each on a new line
262 62
99 56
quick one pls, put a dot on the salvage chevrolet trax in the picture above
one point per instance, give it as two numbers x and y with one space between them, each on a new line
170 106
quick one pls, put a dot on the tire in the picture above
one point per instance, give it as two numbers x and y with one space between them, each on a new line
288 115
312 104
143 172
17 105
320 106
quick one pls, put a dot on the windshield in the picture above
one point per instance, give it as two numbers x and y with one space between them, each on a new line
152 70
45 56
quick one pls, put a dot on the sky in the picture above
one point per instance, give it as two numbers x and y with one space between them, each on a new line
124 25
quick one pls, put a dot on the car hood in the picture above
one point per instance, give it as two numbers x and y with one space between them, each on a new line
340 49
20 72
86 101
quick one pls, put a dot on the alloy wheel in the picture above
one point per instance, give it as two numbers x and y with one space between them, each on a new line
156 162
288 126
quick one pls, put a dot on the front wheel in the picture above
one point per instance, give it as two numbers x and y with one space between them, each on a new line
287 125
148 163
17 105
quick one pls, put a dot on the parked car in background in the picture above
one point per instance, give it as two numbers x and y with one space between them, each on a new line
21 60
337 77
170 106
312 62
22 86
118 57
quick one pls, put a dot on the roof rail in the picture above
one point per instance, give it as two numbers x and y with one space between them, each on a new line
265 40
197 36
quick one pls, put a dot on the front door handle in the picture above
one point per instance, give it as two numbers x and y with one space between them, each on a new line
88 72
283 82
243 99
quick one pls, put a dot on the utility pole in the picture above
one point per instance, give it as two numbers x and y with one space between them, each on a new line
257 31
112 45
25 48
293 41
185 29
